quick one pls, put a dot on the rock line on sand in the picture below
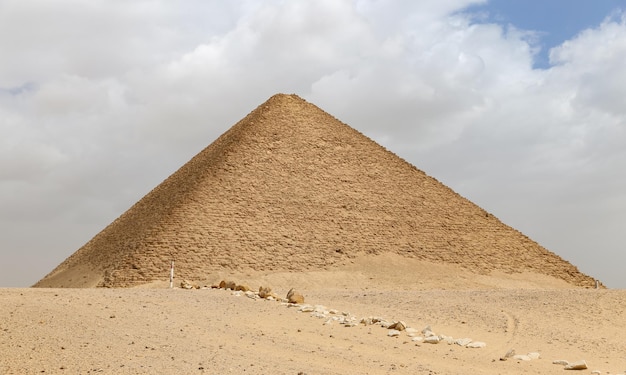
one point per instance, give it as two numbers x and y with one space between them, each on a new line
394 328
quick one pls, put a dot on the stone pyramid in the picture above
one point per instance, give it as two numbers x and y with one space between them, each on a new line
291 188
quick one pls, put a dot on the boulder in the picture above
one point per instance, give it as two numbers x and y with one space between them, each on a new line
579 365
462 342
265 291
476 345
432 340
393 333
187 285
243 288
427 332
398 326
447 339
294 297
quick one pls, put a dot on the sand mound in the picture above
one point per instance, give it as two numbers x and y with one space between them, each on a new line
291 188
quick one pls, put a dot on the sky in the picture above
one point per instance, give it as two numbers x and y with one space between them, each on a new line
519 106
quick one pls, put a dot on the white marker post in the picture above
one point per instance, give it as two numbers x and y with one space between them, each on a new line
172 275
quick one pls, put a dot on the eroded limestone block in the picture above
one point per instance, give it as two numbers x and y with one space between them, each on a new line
578 365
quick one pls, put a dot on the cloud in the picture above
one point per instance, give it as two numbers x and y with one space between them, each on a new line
100 101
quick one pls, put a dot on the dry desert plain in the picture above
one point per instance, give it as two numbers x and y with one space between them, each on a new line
157 330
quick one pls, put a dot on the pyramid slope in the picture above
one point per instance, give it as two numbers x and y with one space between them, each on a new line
291 188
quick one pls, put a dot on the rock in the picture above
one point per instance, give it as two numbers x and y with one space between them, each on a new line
399 326
306 308
243 288
265 291
186 285
432 340
521 357
410 330
596 372
393 333
225 284
534 355
579 365
316 314
462 342
447 339
417 339
560 362
295 297
251 294
427 332
476 345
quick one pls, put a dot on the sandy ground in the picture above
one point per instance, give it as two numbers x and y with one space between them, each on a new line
210 331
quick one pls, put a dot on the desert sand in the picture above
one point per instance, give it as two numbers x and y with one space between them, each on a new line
157 330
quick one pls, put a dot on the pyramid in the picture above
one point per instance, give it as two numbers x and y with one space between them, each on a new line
291 188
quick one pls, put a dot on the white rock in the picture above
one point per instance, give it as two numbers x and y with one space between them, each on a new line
476 345
534 355
417 339
579 365
431 339
596 372
410 330
447 339
306 308
462 342
428 332
521 357
316 314
251 294
393 333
